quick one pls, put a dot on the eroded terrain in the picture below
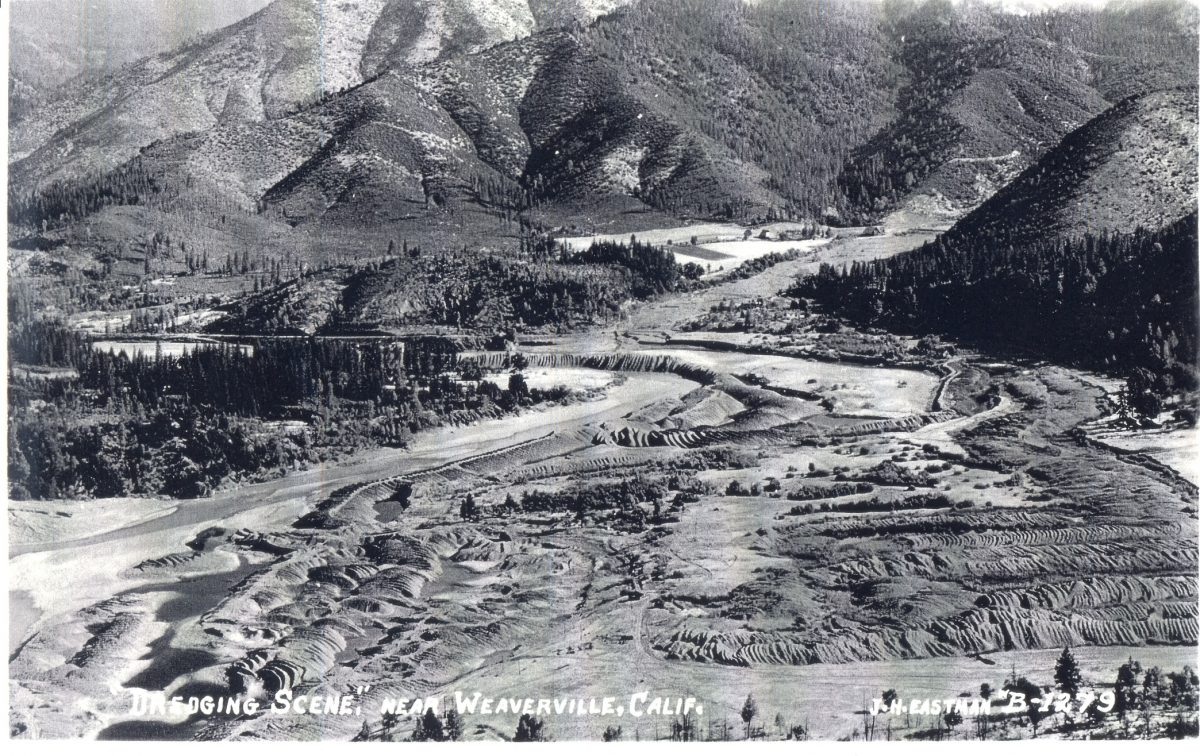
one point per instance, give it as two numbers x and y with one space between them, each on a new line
728 512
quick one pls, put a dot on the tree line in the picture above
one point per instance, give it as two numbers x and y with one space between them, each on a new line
1124 303
183 425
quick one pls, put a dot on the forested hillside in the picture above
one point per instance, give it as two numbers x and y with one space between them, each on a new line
1088 257
484 293
1134 165
694 108
983 95
1123 303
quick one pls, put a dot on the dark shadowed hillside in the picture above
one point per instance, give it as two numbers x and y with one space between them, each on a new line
1088 257
1134 166
984 95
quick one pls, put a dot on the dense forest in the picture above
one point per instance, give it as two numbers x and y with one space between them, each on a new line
940 51
1123 303
548 288
64 202
45 342
653 269
183 425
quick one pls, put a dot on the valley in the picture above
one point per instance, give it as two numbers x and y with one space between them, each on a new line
768 370
733 564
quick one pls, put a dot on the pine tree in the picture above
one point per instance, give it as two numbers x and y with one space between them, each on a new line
454 725
430 727
530 729
1066 673
749 712
469 510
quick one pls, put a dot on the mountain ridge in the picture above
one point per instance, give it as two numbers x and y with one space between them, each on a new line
1132 166
1088 257
691 109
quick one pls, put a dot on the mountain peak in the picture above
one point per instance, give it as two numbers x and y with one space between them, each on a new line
1146 145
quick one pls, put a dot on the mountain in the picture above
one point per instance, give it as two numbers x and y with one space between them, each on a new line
334 133
984 95
217 124
1087 257
52 41
1134 166
290 53
573 116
